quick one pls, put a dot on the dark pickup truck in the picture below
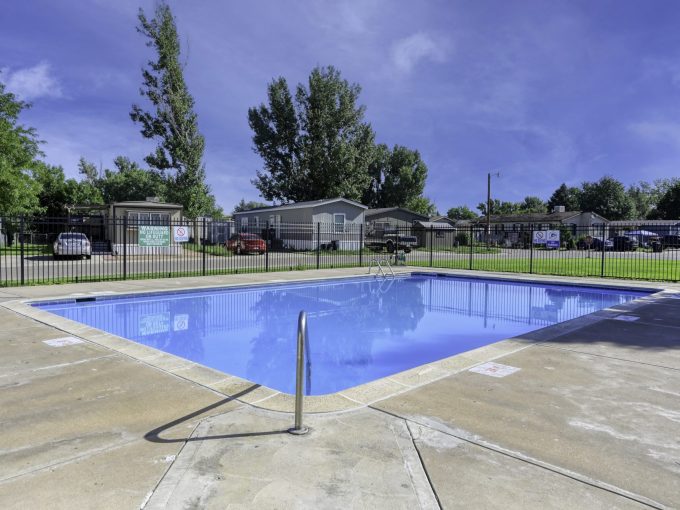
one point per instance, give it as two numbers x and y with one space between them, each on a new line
392 242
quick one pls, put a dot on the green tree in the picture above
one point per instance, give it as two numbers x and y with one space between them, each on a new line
247 206
532 205
641 195
498 207
565 196
608 198
397 179
58 194
173 122
314 147
422 205
130 182
461 212
19 150
668 207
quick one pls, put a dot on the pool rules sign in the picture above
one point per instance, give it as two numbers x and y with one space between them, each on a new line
180 234
152 235
550 238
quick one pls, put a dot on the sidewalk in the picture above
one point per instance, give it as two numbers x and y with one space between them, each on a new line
591 420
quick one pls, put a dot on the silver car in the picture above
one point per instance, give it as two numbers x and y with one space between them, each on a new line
72 244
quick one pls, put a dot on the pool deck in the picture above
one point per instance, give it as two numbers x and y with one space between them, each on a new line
591 419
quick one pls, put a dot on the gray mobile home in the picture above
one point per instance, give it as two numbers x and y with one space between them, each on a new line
379 221
305 225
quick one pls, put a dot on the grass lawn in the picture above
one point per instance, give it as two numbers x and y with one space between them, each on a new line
29 249
463 250
637 269
214 249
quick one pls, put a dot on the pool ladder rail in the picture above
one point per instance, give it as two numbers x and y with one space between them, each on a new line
302 346
380 263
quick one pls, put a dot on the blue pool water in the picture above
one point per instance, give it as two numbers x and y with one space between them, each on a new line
359 329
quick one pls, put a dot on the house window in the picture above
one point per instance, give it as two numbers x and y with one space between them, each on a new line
244 223
339 222
439 233
144 218
256 221
159 218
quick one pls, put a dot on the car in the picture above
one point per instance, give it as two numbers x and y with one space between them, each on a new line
671 241
246 243
625 243
595 244
72 244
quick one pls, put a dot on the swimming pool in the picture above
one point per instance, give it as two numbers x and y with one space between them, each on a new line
360 329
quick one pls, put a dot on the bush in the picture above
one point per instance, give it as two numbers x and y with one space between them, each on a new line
567 238
462 239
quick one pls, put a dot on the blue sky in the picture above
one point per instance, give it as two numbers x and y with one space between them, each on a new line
544 92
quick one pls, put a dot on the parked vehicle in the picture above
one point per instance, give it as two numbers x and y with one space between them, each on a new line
392 242
671 241
625 243
72 244
596 244
246 243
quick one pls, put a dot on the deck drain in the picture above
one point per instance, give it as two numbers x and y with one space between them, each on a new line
494 369
61 342
626 318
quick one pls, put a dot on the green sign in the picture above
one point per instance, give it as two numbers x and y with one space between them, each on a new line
154 236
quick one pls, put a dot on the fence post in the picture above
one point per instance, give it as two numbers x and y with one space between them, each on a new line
125 229
318 243
531 252
204 236
603 252
266 248
471 243
431 241
361 244
22 231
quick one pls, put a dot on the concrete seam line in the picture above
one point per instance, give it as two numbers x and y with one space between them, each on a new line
90 453
540 464
150 494
548 346
422 463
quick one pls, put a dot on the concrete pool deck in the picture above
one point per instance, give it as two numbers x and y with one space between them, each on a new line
591 419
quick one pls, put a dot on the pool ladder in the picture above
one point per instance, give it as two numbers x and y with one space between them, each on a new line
379 263
302 347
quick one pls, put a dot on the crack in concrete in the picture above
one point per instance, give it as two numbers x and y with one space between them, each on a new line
549 346
423 466
578 477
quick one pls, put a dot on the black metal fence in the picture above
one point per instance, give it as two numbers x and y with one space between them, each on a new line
38 250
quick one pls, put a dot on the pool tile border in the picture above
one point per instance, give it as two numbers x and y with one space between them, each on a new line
356 397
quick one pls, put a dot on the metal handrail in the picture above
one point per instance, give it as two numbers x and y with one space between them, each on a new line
379 264
299 429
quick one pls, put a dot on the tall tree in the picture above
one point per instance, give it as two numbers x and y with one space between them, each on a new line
422 205
173 122
247 206
461 212
498 207
130 182
314 147
608 198
397 179
58 194
19 150
668 207
565 196
532 205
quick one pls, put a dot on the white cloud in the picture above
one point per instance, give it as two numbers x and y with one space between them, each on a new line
661 131
408 52
32 82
